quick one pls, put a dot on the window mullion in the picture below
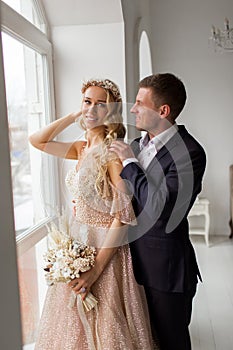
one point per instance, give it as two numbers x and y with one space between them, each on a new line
41 13
21 29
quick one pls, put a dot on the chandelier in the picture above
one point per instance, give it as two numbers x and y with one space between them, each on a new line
222 40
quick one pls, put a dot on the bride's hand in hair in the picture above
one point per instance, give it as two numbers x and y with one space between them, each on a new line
76 115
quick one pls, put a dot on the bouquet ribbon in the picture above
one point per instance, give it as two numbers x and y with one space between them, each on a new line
88 303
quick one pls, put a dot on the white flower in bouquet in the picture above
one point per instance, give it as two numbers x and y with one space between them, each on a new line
67 258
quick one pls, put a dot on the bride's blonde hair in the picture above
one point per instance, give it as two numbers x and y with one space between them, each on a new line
114 128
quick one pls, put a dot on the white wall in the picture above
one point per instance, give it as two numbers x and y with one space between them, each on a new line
181 29
83 52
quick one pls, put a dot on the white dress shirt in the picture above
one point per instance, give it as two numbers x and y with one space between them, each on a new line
149 148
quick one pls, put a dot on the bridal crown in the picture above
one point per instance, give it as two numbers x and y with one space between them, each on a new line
105 84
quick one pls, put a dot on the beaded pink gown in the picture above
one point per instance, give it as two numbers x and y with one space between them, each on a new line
120 320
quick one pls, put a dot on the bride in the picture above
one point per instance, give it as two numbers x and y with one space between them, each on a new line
102 211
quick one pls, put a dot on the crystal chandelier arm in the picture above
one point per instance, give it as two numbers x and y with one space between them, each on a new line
222 39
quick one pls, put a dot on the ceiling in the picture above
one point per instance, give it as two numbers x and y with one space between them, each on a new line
75 12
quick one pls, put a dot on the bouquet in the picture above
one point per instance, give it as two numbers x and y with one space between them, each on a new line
67 258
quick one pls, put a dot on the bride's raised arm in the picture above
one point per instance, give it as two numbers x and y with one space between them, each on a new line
43 139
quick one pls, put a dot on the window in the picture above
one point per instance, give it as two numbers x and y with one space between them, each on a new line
25 91
30 9
26 112
27 70
27 63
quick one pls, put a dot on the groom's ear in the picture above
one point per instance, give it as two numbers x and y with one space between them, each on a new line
164 111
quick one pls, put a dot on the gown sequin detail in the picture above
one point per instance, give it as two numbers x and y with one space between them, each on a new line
120 321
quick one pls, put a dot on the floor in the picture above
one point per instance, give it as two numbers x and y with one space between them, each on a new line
212 320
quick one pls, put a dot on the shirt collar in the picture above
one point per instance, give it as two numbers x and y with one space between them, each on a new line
144 141
159 140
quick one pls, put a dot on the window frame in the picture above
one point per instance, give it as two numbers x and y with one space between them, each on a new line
8 292
19 28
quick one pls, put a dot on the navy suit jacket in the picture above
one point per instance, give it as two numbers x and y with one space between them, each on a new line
163 256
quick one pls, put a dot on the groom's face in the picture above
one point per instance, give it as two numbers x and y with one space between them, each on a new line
147 115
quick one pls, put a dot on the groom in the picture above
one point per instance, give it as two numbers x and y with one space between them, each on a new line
164 171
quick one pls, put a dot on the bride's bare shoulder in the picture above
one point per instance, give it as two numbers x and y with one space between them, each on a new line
80 145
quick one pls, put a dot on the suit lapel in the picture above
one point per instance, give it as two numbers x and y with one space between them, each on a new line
135 146
168 147
172 143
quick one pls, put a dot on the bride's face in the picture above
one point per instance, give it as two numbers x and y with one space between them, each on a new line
94 107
